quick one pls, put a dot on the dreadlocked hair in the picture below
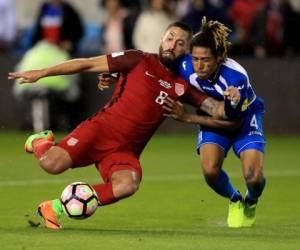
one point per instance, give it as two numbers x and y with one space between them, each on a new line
213 35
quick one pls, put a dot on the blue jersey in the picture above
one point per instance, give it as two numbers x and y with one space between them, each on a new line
230 73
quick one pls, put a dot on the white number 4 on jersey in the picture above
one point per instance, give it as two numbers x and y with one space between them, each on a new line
253 122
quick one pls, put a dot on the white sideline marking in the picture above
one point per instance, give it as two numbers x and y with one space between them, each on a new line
150 178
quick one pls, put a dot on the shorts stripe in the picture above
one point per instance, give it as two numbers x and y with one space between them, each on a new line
208 142
241 149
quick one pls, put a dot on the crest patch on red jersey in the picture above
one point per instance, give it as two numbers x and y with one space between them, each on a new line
179 89
72 141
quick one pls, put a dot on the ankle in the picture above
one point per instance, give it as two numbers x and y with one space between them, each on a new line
236 196
250 201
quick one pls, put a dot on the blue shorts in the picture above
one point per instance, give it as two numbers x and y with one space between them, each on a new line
250 136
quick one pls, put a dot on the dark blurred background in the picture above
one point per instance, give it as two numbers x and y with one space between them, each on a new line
38 33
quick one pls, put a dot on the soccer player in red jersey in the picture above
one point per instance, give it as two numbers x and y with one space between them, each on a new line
114 138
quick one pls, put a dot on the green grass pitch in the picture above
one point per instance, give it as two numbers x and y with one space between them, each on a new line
174 209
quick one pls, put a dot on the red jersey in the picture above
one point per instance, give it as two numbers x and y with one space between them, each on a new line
135 111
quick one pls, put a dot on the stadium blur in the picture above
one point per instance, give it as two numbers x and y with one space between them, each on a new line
174 208
264 40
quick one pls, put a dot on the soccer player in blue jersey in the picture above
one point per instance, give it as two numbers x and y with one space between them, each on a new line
209 69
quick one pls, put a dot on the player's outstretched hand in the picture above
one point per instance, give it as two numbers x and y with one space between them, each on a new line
26 76
233 94
174 109
106 80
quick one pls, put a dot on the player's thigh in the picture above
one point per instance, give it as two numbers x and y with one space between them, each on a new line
212 157
80 143
213 148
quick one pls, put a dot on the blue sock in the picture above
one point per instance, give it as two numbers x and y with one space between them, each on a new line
254 192
224 188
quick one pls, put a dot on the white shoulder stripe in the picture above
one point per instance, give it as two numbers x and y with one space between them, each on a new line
230 63
219 89
222 80
193 81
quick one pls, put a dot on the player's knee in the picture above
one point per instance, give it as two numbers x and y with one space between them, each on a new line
53 164
211 166
125 188
253 178
211 172
129 187
132 188
55 161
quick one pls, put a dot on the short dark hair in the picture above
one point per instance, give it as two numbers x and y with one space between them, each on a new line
182 26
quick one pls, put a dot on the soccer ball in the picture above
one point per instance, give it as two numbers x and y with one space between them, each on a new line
79 200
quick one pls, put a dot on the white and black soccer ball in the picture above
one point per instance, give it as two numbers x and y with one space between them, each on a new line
79 200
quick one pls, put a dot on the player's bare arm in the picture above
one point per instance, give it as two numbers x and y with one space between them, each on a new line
214 108
177 111
217 108
93 64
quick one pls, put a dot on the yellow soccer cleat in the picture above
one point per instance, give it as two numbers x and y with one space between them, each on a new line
249 215
235 214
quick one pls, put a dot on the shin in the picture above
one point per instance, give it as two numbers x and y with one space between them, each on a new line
212 157
253 173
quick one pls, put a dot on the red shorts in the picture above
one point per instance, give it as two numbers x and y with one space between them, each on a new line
93 142
119 161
